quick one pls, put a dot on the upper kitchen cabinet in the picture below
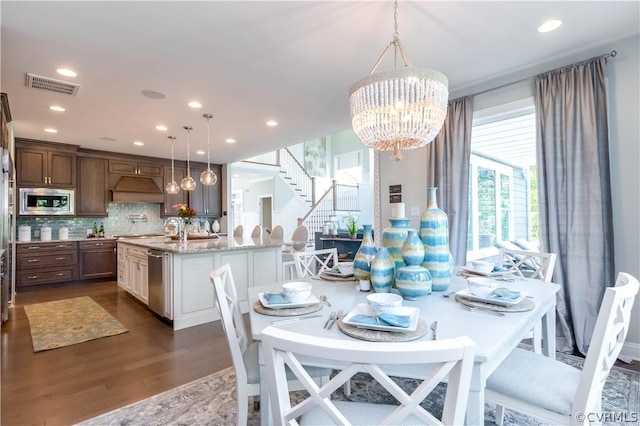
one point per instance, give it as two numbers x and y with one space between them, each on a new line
172 199
42 164
206 200
138 168
92 192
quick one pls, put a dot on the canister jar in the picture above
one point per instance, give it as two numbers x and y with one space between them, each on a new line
45 233
24 233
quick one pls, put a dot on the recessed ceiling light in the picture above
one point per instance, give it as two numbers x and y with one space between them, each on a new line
550 25
66 72
230 140
200 152
139 143
50 130
272 123
57 108
195 104
152 94
161 128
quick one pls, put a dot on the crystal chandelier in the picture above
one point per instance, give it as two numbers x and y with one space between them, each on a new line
188 183
400 109
208 177
172 187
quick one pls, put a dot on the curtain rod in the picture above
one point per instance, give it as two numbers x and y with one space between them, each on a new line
611 54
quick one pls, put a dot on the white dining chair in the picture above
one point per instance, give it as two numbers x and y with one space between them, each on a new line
256 232
451 358
238 231
244 355
532 264
309 264
558 393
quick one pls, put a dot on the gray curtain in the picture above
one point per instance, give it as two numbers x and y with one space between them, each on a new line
574 193
448 169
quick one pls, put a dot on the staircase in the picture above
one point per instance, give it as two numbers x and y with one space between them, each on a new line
337 198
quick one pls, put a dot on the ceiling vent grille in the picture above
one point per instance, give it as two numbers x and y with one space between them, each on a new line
52 85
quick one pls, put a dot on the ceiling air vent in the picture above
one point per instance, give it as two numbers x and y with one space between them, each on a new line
51 84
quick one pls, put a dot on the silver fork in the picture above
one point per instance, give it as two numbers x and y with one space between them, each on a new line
332 316
338 315
484 310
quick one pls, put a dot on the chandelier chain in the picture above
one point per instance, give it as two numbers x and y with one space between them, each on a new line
208 117
396 36
188 129
173 178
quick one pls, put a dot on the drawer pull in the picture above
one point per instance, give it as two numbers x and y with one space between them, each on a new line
59 274
33 260
59 258
33 277
33 248
61 246
99 244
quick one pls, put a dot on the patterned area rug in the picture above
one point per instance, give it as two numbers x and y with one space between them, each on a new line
69 321
211 401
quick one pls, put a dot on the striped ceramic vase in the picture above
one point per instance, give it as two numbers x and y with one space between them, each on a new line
413 282
364 256
382 271
434 233
394 237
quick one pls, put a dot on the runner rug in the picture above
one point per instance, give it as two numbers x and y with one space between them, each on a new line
211 401
68 322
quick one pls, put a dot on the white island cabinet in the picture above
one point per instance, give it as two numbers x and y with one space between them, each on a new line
189 295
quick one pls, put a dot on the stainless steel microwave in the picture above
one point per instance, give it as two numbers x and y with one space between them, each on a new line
47 202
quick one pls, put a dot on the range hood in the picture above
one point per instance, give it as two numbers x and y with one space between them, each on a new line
137 189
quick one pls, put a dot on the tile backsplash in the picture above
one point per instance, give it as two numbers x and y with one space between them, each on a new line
120 221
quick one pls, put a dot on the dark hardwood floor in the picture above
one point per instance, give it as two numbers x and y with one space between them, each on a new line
67 385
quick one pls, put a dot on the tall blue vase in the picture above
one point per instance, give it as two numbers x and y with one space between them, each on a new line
382 271
394 237
364 256
434 233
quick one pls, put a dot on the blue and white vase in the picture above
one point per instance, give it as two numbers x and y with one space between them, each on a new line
364 256
382 271
412 249
434 233
413 282
393 238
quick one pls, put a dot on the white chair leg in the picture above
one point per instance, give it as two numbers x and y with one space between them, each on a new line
537 338
499 417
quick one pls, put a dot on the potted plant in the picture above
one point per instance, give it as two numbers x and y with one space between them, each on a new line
351 223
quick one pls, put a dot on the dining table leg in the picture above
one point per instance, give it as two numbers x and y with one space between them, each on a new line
549 333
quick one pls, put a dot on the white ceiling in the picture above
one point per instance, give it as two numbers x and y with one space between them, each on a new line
248 62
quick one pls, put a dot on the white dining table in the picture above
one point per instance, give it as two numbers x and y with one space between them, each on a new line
495 336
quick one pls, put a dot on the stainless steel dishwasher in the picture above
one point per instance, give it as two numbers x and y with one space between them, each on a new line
156 282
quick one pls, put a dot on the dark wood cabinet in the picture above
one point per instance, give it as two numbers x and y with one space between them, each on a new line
97 259
92 195
46 263
172 199
45 165
206 200
137 168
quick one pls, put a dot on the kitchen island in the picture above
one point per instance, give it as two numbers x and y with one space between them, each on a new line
188 297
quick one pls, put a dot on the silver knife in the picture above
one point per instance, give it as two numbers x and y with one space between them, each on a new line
294 319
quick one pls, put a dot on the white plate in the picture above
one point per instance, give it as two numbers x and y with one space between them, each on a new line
363 308
312 300
486 274
336 273
496 300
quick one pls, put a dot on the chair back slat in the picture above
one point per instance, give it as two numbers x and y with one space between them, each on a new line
532 264
451 358
607 340
310 263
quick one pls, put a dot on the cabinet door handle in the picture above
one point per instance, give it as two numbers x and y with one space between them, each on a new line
33 277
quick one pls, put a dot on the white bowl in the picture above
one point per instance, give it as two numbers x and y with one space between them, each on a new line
296 291
345 268
481 266
380 302
482 287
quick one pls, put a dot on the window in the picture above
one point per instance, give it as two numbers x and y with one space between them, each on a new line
349 167
502 190
237 208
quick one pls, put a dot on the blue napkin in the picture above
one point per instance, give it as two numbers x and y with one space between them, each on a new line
275 298
385 319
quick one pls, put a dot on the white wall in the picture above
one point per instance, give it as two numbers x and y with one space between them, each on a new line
624 110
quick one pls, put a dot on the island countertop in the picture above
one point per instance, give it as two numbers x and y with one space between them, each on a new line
201 245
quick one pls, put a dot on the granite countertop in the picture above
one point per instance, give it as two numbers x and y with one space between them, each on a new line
201 245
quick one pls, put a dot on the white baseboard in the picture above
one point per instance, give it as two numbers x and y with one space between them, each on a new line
631 350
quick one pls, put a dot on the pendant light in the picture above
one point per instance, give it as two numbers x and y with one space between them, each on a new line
399 109
172 187
208 177
188 183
